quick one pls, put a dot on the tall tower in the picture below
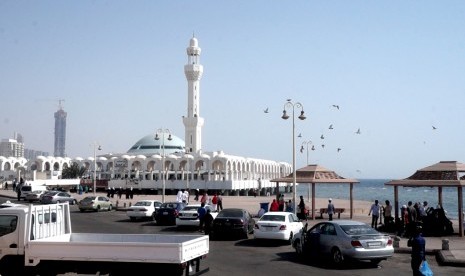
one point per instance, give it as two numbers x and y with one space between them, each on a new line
60 131
193 122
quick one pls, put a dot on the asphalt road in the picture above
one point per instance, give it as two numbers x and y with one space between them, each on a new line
248 257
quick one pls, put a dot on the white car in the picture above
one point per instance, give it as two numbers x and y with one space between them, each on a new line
188 215
277 226
143 209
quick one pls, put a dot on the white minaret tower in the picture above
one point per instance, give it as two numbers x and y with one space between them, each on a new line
193 122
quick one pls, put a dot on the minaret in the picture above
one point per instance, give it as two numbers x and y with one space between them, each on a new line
193 122
60 131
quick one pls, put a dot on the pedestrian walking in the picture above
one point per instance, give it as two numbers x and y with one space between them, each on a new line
418 244
374 212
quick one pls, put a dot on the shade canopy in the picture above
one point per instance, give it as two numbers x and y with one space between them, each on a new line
316 174
442 174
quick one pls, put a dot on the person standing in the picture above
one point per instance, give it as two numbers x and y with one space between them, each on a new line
302 215
208 221
201 212
220 202
374 212
281 203
274 207
290 207
418 244
387 214
412 219
214 202
330 209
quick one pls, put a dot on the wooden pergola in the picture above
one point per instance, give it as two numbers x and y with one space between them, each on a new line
315 174
442 174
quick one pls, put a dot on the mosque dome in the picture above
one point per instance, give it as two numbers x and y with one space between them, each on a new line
149 146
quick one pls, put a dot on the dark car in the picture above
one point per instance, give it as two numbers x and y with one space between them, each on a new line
168 212
233 222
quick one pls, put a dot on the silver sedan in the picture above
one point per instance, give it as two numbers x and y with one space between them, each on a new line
342 240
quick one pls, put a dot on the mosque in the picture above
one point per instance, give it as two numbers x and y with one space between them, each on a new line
162 161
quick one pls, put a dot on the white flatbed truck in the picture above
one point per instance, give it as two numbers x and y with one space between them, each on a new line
37 240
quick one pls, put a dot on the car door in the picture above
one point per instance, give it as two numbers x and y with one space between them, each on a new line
327 238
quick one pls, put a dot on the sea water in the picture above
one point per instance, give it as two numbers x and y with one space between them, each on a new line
372 189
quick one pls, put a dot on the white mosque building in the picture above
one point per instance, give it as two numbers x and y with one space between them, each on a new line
162 160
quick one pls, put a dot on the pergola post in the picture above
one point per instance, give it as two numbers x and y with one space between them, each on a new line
313 201
351 200
460 204
440 196
396 201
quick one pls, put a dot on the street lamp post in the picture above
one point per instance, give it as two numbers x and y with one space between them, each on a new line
290 104
157 137
305 144
96 147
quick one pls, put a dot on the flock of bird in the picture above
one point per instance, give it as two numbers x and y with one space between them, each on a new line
322 137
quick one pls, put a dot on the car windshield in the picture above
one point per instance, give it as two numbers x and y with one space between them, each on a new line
170 205
230 214
354 230
191 208
272 218
90 198
143 203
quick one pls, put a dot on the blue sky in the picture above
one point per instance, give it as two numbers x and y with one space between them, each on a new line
395 68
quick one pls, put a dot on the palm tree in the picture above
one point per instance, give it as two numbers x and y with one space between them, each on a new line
73 171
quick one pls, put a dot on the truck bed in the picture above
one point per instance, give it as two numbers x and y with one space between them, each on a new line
143 248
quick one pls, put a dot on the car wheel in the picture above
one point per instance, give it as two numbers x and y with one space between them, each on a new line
110 207
375 261
298 247
98 208
337 257
82 210
291 235
132 218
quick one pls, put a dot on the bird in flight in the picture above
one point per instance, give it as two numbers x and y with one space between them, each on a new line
358 131
301 149
331 126
434 128
338 149
322 137
313 147
266 110
300 135
336 106
323 145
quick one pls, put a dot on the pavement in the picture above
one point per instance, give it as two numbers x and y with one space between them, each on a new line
449 250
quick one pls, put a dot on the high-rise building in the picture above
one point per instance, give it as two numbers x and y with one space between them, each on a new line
11 148
60 132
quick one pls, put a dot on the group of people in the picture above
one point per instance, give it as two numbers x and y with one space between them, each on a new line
281 205
111 192
182 196
433 220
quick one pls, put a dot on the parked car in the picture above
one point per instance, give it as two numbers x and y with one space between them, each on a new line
168 212
277 226
27 189
233 221
57 197
144 209
342 240
188 215
95 203
34 195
